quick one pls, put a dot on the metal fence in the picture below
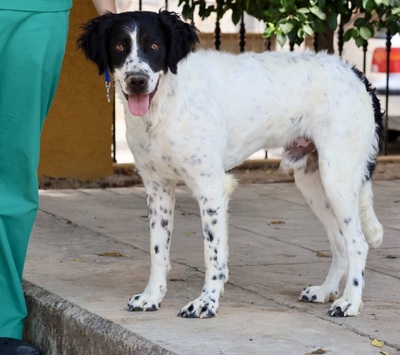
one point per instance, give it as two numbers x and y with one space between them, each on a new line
385 90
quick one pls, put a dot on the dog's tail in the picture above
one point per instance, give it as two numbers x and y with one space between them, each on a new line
378 115
372 229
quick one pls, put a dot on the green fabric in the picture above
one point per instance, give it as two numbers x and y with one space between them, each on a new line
32 46
36 5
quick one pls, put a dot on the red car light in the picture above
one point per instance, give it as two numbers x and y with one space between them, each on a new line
379 60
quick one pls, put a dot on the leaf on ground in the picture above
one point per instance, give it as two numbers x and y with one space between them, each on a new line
114 254
322 254
318 351
391 257
383 353
276 222
377 343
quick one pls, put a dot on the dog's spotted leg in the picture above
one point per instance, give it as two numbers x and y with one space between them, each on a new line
343 193
357 250
308 181
213 208
160 201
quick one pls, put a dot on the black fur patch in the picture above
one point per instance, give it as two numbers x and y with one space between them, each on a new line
378 114
100 36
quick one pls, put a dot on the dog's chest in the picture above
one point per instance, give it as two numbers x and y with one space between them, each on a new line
154 152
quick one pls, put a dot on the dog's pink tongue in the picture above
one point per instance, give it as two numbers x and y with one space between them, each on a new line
139 104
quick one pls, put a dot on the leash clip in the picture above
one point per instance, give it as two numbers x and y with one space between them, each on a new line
107 84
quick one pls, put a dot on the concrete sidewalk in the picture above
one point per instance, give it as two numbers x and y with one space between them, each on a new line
89 254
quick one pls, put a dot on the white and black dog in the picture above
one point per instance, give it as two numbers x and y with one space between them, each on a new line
192 116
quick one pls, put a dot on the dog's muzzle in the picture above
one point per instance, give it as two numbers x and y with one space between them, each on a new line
137 83
138 97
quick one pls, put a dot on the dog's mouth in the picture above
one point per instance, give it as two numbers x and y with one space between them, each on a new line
139 103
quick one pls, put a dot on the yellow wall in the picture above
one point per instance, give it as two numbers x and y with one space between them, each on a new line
76 139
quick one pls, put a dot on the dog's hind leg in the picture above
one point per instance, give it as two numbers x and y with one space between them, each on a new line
213 201
372 229
161 203
308 181
342 184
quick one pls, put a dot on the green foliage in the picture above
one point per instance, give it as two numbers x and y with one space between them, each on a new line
377 15
294 20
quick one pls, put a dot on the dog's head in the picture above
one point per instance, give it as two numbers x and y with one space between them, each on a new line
138 47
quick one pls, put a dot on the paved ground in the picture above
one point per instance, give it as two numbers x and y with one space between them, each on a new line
277 247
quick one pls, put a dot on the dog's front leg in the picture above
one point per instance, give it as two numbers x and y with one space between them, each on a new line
161 202
213 208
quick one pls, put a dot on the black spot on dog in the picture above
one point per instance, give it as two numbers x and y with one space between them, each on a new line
337 312
355 282
211 212
347 220
164 223
214 277
204 309
156 249
208 234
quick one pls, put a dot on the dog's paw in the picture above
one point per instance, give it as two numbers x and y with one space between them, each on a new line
143 303
344 308
317 294
202 307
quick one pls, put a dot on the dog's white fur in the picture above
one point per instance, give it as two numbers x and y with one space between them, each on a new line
219 109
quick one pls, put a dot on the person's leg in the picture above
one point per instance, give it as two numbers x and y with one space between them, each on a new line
32 46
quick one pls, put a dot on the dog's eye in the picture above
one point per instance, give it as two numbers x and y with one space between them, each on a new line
119 47
154 46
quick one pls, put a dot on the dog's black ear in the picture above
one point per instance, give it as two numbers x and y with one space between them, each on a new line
182 38
93 40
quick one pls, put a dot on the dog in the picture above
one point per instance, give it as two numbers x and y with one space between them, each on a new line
194 115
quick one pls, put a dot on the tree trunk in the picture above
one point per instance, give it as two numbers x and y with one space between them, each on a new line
325 41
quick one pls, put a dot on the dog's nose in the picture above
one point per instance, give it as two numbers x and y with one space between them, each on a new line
137 82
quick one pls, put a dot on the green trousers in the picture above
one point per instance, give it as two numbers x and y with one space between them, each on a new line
32 46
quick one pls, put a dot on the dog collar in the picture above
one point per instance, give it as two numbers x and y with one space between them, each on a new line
107 84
